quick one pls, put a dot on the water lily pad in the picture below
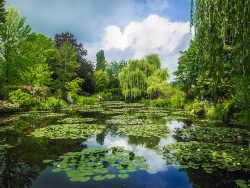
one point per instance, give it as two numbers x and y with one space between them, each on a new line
99 163
47 161
98 178
76 120
213 134
123 176
110 176
209 156
66 131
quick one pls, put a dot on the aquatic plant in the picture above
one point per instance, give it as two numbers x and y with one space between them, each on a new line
40 114
147 130
128 120
76 120
242 183
213 134
68 131
208 156
99 164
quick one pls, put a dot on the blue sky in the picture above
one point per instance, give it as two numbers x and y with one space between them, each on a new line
125 29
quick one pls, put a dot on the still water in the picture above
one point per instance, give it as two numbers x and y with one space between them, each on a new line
22 164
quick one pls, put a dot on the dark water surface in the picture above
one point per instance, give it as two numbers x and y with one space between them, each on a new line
22 166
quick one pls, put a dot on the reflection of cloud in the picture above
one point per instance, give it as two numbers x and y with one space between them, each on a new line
172 126
114 141
154 160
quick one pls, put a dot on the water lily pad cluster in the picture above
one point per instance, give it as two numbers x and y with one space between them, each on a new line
153 111
41 114
68 131
76 120
99 164
242 183
128 120
208 156
147 130
213 134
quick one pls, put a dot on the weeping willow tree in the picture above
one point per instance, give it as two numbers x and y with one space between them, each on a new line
222 32
133 79
157 83
139 74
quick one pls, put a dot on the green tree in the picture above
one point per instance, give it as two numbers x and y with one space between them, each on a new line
157 83
188 70
223 43
2 11
113 69
65 66
73 87
35 53
100 60
86 67
101 80
136 76
12 34
154 60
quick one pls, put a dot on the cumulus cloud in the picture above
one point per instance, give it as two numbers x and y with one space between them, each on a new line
154 34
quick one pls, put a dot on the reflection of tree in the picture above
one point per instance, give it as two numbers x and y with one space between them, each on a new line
100 137
148 142
14 172
221 178
187 123
20 165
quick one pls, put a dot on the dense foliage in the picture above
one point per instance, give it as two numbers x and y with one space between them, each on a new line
216 67
137 77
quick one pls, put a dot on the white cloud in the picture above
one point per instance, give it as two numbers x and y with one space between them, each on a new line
154 34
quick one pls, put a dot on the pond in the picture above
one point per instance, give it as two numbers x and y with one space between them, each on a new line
114 144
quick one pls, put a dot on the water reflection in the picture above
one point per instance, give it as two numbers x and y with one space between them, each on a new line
153 159
22 165
171 136
143 146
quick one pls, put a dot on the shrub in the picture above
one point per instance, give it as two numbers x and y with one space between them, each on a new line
164 103
73 88
51 103
196 107
222 111
111 94
81 100
177 100
6 107
22 99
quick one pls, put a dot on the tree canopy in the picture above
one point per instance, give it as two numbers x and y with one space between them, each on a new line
13 33
142 76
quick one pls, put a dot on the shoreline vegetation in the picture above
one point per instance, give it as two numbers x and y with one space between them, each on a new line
41 73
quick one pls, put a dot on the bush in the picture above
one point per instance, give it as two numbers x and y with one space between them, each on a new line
81 100
73 88
51 103
111 95
163 103
177 100
172 98
222 111
6 107
196 107
22 99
